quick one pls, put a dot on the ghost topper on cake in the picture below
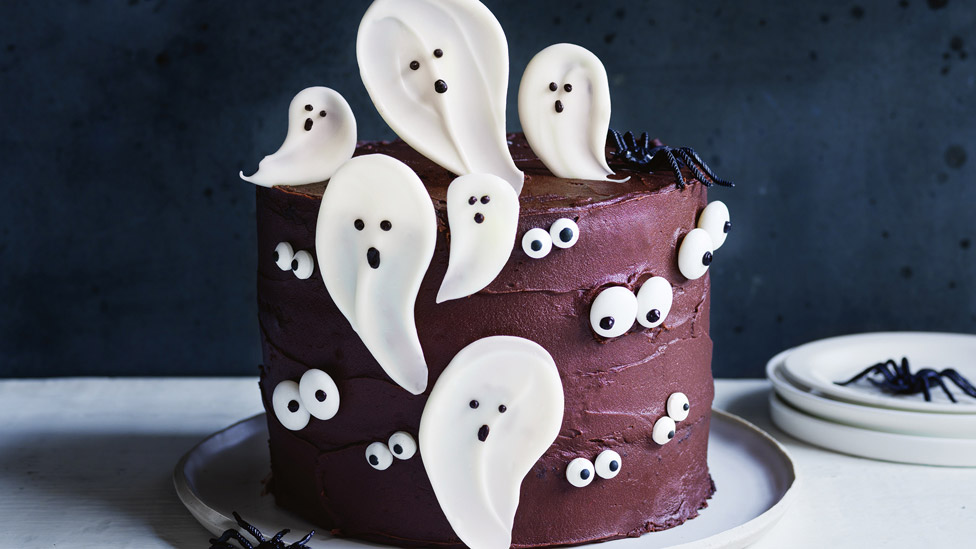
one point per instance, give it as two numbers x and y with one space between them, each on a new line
564 107
437 72
374 240
321 137
496 408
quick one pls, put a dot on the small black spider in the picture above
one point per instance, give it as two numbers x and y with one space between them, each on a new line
900 380
263 543
640 152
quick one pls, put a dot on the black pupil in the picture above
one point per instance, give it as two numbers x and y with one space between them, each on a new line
294 264
359 225
686 406
374 460
414 65
653 315
386 225
606 322
293 406
276 256
566 234
502 408
614 465
707 259
536 245
397 449
670 434
585 474
320 395
473 404
727 227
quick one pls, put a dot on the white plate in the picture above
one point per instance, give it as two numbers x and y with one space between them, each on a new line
755 477
820 364
946 452
867 417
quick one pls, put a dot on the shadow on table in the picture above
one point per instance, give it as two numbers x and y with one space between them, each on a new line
753 406
122 483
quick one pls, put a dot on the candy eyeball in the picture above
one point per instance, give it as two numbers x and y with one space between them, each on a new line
286 401
654 301
613 311
607 464
715 220
564 233
695 254
303 264
378 456
580 472
663 430
403 445
536 243
283 255
678 406
319 394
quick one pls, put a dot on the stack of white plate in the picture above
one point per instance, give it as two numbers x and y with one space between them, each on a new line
861 420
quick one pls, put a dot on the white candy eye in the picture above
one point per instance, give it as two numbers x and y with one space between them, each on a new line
303 264
613 311
663 430
403 445
283 255
536 243
654 301
716 222
695 254
378 456
287 405
564 233
608 464
319 394
678 406
580 472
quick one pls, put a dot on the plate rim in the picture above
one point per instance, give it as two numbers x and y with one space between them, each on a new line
742 535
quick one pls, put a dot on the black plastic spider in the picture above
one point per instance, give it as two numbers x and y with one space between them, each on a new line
900 380
223 542
642 153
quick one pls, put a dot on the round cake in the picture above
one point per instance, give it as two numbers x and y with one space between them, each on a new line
630 454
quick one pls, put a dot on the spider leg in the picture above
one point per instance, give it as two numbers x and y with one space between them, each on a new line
645 142
255 533
618 142
300 544
276 540
691 165
227 535
933 376
675 167
630 141
960 381
704 166
863 373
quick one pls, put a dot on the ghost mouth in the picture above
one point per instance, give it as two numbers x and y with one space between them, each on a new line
440 86
483 433
373 258
559 106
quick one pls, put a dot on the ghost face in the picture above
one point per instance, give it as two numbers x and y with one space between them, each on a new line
437 71
482 210
564 107
321 136
492 414
374 241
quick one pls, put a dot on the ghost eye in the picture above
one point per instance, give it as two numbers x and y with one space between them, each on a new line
613 311
438 53
580 472
607 464
568 88
319 393
386 225
283 255
378 456
536 243
359 224
473 200
654 301
715 220
403 445
678 406
309 108
564 233
303 264
323 114
286 402
414 65
553 86
485 199
695 254
663 430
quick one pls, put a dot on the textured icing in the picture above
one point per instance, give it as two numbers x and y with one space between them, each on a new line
494 411
437 71
321 136
564 107
482 211
374 240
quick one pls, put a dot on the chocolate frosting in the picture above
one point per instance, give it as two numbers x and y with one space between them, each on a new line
614 389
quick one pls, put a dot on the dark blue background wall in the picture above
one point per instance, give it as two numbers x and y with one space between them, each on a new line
127 240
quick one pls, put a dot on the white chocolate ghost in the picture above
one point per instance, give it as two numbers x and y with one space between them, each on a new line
437 71
564 107
482 210
492 414
321 136
374 240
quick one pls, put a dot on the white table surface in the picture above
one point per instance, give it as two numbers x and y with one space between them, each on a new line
88 463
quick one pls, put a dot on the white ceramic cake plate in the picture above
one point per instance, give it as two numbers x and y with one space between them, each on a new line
867 417
818 365
755 477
